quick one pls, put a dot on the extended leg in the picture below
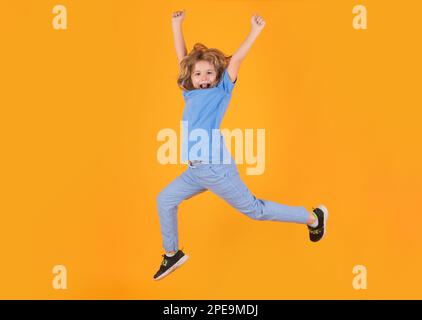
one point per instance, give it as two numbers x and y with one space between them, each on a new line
232 189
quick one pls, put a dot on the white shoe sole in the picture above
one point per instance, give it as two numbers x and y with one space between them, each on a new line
174 267
325 210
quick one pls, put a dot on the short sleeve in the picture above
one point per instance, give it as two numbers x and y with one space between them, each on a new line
225 83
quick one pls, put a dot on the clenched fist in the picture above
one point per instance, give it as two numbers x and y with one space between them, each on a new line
258 23
178 16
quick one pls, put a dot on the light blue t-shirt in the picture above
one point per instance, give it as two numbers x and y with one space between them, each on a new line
202 116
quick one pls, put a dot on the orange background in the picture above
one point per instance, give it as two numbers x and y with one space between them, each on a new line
81 108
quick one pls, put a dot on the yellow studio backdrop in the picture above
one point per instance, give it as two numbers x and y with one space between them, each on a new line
80 113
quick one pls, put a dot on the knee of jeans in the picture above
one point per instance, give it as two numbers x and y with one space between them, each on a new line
255 210
164 201
161 199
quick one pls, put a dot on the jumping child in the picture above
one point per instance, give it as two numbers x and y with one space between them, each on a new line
207 78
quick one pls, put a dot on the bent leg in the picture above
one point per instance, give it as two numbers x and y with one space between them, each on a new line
232 189
168 200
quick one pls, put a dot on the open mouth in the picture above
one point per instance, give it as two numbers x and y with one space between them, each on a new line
205 85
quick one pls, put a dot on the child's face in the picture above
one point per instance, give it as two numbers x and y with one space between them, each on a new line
203 75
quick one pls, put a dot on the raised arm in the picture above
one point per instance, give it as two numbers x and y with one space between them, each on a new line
179 42
258 24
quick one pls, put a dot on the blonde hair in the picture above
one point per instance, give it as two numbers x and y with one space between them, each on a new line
199 53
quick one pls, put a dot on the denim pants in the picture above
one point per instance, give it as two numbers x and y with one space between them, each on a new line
224 181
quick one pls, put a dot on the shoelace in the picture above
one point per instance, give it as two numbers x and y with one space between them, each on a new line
166 258
163 263
317 231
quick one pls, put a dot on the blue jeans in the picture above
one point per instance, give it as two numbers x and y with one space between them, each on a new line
224 181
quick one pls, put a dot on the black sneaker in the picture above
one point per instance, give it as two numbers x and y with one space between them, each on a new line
169 264
318 232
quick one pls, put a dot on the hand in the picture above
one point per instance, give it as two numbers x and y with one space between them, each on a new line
178 16
258 23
